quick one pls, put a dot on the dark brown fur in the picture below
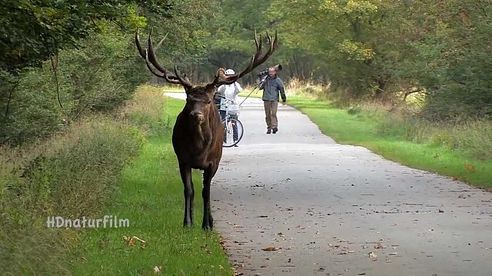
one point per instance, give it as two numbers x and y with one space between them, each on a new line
197 142
198 133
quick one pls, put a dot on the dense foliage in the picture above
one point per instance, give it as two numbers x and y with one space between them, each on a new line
64 59
376 49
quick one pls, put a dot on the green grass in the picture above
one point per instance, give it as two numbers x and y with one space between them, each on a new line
151 197
362 129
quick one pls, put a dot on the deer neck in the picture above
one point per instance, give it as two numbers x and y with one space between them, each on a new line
201 133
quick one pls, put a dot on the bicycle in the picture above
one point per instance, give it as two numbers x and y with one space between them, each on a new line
233 128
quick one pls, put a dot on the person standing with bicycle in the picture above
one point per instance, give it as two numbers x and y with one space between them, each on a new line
228 103
272 85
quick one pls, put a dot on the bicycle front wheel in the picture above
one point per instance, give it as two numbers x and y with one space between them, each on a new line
233 132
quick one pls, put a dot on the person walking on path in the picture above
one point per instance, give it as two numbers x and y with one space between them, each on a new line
272 86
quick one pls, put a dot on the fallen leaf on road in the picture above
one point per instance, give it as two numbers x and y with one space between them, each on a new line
373 256
270 248
378 246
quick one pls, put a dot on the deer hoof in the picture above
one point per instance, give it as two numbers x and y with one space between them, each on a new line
207 226
187 224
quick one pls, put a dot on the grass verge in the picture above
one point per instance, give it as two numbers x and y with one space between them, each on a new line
150 195
70 175
364 129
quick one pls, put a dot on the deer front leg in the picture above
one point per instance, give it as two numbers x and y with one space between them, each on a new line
207 214
189 193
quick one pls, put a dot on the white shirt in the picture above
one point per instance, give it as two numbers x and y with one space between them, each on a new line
230 92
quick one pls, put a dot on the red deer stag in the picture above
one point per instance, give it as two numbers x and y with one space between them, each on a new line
198 132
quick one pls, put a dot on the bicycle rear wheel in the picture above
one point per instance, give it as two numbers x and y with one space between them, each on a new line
233 132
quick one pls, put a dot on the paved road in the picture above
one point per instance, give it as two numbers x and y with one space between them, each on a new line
298 203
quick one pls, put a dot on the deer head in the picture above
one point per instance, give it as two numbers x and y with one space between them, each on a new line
199 97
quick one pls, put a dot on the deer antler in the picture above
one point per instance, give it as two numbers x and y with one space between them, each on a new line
220 78
256 60
154 66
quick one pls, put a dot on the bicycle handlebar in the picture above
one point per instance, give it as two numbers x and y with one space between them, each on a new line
229 100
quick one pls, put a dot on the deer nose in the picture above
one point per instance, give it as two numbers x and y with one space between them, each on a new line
197 115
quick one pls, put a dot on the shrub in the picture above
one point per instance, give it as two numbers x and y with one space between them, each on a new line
70 175
145 110
97 77
471 136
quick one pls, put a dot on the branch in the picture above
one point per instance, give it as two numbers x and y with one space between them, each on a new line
10 97
54 66
408 93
